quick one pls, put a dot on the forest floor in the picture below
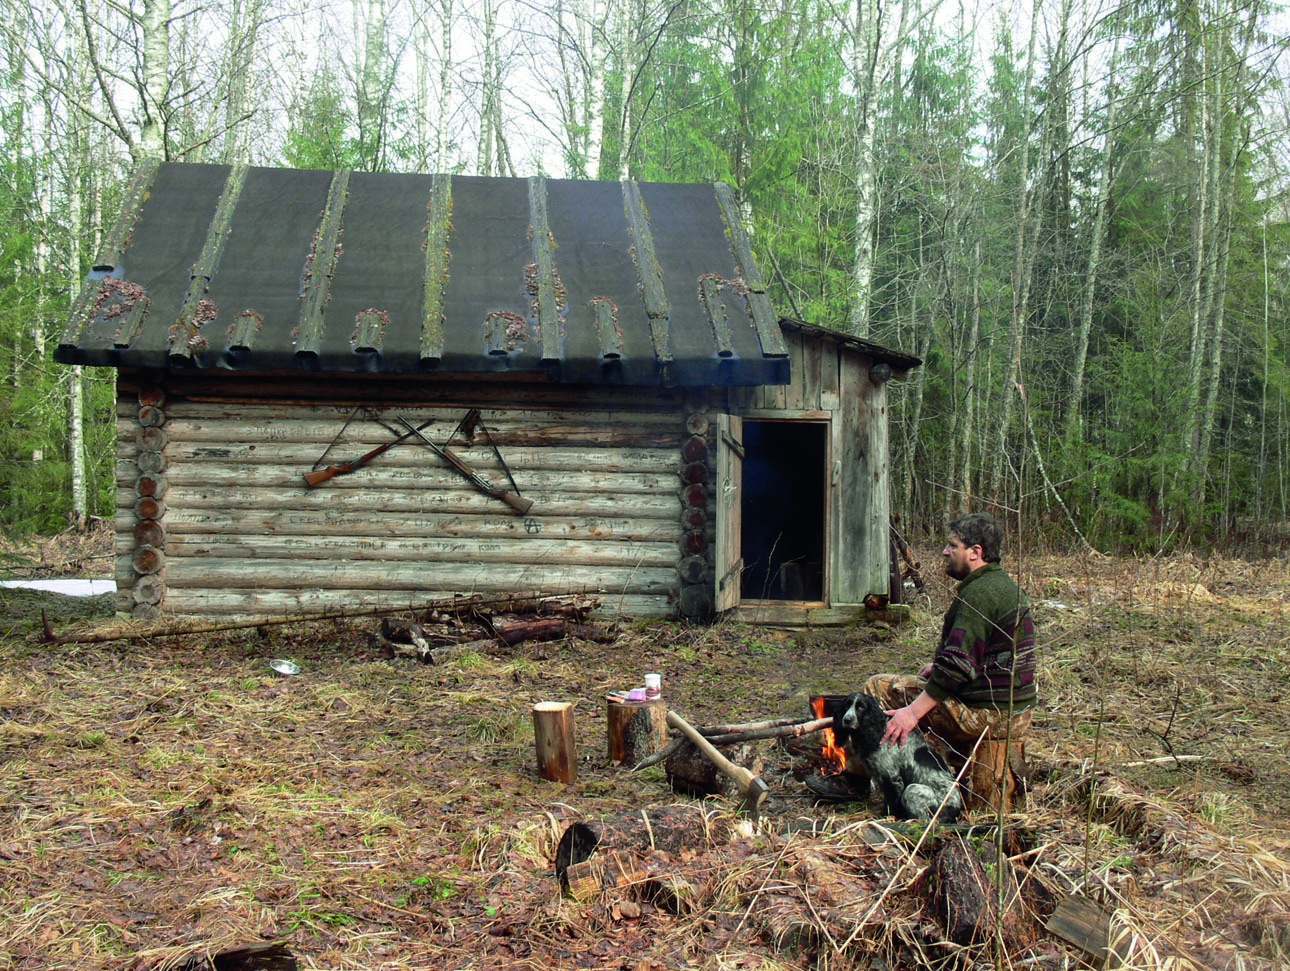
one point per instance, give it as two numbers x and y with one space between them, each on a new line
169 798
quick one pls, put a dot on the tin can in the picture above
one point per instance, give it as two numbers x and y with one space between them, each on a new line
653 686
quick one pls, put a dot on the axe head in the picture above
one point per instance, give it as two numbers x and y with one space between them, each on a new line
754 797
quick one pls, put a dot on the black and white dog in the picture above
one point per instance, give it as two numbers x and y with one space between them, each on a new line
913 778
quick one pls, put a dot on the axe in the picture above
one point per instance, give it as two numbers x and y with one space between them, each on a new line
754 788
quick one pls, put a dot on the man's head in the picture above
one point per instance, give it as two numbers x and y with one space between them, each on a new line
975 540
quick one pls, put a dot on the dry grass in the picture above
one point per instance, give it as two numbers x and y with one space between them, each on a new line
170 798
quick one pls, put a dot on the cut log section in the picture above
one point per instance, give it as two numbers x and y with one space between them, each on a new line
635 729
691 772
553 735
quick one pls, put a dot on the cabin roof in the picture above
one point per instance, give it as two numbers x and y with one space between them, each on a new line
898 360
262 269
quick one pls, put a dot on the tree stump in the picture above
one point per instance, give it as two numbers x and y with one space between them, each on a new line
989 781
618 843
967 888
636 729
691 772
557 757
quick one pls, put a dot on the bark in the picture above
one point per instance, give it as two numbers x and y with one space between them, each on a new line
865 36
154 27
554 740
372 82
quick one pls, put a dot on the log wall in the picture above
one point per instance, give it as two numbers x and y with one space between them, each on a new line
214 517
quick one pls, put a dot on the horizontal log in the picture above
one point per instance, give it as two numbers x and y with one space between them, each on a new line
272 603
238 452
465 576
425 471
341 545
362 524
500 391
347 495
519 428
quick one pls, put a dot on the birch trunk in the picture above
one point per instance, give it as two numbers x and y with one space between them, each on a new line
155 30
373 72
442 162
628 65
864 57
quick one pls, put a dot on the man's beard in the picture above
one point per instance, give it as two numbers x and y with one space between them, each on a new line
956 572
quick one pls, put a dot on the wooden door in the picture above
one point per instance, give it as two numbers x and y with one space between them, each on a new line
730 476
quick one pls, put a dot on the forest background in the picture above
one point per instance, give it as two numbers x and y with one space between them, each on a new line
1074 212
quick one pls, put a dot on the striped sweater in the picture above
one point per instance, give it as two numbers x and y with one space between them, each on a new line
975 661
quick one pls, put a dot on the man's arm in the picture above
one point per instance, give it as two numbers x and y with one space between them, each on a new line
902 721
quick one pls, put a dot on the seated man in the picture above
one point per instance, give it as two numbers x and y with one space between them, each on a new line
974 700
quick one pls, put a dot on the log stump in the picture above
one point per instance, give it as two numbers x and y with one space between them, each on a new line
691 772
597 854
557 757
636 729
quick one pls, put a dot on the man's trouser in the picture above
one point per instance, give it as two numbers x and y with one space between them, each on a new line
953 729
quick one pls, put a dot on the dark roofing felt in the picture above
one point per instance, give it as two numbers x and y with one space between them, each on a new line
264 269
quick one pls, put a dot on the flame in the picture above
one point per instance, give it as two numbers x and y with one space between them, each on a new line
831 752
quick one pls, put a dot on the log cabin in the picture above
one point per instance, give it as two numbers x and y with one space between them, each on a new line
583 388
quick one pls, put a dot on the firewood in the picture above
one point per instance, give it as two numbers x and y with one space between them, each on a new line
553 737
399 632
546 629
778 731
634 730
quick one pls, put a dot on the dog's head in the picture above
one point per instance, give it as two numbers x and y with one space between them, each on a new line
861 722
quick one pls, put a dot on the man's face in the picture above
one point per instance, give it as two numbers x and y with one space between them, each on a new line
960 560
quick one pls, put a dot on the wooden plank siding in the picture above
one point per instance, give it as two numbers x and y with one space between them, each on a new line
831 383
244 535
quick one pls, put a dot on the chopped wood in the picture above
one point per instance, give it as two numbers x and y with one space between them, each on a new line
554 739
1079 921
634 730
973 890
512 632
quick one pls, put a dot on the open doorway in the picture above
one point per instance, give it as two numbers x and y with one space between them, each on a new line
783 515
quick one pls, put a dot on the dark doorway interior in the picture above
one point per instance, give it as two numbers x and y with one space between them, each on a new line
782 539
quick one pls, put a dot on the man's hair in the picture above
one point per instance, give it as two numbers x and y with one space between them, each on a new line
980 529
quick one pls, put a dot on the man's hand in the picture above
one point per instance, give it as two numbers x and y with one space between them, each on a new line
925 671
900 723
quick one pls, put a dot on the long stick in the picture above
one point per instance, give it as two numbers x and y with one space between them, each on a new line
778 728
781 731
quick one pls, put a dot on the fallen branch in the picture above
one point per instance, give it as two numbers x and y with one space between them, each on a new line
781 731
776 728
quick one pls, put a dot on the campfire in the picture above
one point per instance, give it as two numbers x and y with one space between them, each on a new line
832 757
